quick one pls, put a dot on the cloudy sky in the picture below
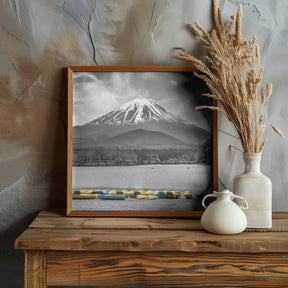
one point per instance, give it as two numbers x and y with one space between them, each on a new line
97 93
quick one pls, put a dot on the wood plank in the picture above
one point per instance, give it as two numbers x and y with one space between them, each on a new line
116 223
280 215
56 219
52 213
167 269
35 269
151 240
60 212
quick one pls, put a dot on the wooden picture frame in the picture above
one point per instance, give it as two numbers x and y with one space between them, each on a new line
99 150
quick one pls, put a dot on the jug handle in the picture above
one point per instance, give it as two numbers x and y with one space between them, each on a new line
203 201
239 197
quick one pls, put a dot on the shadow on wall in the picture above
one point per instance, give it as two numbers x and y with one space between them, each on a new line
12 261
58 180
33 124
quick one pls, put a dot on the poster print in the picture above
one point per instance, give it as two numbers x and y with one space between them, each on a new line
139 147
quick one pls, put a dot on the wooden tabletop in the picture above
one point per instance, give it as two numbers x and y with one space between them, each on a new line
52 230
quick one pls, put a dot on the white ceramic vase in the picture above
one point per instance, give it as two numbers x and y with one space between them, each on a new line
256 188
223 216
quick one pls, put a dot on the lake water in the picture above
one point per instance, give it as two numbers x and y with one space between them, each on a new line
170 177
193 177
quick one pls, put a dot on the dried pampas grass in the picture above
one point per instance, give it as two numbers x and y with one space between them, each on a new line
234 77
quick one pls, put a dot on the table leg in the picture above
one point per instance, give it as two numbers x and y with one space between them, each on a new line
35 269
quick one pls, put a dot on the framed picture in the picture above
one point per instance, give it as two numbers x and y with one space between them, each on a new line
136 145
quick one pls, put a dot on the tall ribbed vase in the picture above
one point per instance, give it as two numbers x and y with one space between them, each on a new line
256 188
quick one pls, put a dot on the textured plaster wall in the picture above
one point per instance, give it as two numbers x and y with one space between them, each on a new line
38 39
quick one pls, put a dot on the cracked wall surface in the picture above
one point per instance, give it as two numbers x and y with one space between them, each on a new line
40 38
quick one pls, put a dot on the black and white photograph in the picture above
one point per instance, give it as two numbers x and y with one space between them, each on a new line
138 142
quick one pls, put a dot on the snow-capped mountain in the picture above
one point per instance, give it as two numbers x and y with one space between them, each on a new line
137 111
143 116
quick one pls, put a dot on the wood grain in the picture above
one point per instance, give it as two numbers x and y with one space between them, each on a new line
167 269
49 231
116 223
35 269
62 213
150 240
56 219
150 252
132 68
69 140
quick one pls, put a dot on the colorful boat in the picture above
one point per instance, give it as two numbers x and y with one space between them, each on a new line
133 193
159 193
111 197
99 192
167 194
85 196
116 193
152 197
141 197
188 194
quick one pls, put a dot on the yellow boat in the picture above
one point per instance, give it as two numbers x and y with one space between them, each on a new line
188 194
149 192
141 197
85 196
142 192
152 197
83 191
125 193
176 192
115 193
133 193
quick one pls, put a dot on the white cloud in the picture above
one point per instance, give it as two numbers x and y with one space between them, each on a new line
98 93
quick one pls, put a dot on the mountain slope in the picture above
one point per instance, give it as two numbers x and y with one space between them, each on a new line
141 137
137 111
140 113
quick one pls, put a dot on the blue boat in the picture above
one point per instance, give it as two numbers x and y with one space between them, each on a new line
160 194
111 197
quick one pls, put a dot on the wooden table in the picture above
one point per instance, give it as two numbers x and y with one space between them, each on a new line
75 251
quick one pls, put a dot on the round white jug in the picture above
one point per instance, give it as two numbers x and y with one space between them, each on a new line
223 216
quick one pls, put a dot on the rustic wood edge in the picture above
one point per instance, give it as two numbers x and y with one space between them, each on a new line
35 269
167 269
62 212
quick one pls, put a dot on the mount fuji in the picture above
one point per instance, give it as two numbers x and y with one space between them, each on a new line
137 111
128 125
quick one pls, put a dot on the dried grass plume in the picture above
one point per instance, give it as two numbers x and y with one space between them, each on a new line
234 76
